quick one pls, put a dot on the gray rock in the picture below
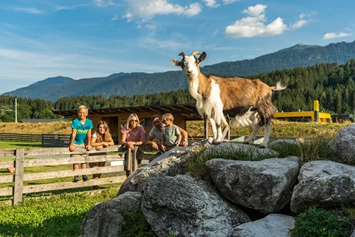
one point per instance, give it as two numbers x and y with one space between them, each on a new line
273 225
105 218
323 184
170 163
344 143
264 185
183 206
232 147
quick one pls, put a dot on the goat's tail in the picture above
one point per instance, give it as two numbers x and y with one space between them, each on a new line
278 87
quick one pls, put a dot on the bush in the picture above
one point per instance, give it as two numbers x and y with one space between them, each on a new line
135 225
197 167
321 223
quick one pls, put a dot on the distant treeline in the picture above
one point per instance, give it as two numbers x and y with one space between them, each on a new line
332 84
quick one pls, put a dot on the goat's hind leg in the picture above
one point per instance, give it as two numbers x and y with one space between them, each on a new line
267 134
253 134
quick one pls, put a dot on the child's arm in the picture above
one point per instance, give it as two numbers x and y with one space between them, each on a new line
163 142
71 144
88 138
178 139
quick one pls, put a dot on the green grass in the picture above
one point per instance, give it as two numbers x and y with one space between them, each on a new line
321 223
4 144
59 215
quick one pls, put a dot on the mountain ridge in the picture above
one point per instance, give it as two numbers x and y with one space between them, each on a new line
135 83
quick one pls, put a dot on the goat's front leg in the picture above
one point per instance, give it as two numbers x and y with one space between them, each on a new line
214 129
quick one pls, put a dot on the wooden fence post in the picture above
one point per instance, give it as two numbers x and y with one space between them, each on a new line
17 192
134 159
128 162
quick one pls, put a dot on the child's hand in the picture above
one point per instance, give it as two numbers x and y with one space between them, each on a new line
155 146
163 147
88 147
98 148
71 147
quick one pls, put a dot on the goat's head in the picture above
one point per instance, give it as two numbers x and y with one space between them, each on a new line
190 64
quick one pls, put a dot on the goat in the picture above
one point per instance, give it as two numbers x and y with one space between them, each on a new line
247 101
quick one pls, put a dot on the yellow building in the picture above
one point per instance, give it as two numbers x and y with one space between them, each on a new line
304 116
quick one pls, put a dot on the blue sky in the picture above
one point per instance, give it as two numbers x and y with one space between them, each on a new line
92 38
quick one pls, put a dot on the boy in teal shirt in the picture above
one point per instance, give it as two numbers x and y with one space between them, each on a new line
81 136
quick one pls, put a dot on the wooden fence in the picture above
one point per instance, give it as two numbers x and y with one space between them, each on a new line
16 137
22 182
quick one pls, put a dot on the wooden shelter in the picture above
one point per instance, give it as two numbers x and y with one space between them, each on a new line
117 117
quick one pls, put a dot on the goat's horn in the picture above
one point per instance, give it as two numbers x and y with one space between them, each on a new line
195 53
182 54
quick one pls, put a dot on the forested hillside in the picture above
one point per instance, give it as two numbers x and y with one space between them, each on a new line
129 84
332 84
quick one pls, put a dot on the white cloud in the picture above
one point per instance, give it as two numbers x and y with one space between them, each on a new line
30 10
150 26
229 1
114 18
299 24
212 3
254 24
256 10
147 9
328 36
103 3
305 18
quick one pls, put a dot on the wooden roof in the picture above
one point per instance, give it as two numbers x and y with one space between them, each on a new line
189 111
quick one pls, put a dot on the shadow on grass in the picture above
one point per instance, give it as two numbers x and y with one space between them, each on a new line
25 145
67 225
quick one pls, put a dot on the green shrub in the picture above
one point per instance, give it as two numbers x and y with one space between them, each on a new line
135 225
287 149
197 168
321 223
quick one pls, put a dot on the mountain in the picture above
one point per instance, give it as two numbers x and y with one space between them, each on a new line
129 84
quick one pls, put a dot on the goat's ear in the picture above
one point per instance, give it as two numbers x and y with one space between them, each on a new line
202 57
176 62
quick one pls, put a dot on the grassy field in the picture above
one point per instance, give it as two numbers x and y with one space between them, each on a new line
61 215
194 128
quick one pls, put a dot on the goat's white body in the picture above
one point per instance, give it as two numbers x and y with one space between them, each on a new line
209 100
212 106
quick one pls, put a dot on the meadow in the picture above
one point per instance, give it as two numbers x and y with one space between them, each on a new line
61 215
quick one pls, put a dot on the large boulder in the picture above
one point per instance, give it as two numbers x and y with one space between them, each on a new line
275 225
171 163
252 151
105 218
323 184
264 185
343 144
184 206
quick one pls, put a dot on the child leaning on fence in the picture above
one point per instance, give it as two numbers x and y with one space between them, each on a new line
81 136
171 133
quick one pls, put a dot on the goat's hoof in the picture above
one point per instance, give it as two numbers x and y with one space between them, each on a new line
217 141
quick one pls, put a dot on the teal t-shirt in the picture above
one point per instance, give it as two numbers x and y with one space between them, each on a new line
81 130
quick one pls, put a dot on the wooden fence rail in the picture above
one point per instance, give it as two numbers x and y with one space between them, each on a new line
16 137
22 181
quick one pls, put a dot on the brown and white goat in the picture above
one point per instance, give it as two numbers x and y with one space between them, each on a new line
247 101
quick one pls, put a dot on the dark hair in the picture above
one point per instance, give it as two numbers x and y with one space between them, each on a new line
155 116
